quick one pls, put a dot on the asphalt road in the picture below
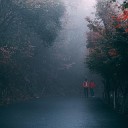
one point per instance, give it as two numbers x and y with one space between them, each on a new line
60 113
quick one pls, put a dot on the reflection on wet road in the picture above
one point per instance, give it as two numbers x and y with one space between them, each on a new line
60 113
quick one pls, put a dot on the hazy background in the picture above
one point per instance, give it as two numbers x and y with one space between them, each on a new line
67 55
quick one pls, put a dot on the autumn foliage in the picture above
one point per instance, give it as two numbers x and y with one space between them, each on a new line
107 42
121 18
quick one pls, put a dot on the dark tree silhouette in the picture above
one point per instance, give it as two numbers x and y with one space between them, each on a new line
26 28
108 51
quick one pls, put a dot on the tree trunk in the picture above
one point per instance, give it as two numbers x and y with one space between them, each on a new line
114 99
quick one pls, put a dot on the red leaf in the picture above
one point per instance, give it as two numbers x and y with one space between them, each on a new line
118 26
126 30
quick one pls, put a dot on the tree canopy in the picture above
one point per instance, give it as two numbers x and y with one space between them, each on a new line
107 42
26 26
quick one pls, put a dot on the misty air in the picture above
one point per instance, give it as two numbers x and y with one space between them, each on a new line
63 64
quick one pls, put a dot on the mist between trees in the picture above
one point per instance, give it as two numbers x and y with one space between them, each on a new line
107 42
27 27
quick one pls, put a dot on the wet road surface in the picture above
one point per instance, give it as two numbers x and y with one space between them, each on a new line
60 113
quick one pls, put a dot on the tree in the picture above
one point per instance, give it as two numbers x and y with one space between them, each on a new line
26 27
108 46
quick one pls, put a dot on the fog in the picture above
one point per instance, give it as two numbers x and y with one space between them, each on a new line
43 64
43 48
67 55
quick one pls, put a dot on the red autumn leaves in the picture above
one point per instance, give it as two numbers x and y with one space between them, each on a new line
112 52
122 19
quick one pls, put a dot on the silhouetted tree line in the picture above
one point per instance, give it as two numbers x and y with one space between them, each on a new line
26 28
107 42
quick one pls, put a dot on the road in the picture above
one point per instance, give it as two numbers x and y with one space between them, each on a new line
60 113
